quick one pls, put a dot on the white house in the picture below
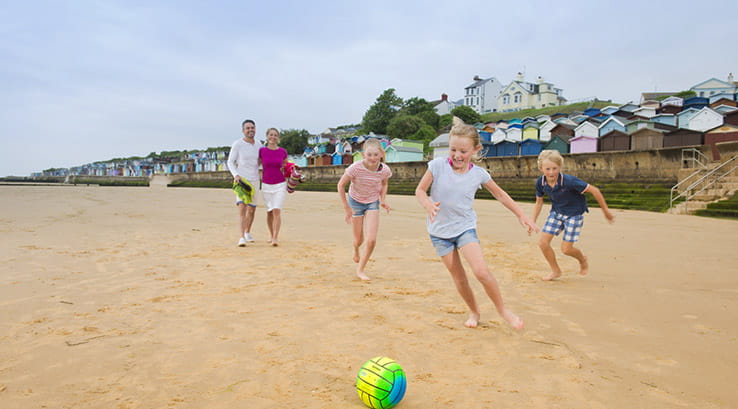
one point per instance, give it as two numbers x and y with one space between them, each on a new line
482 94
705 119
714 86
520 94
443 106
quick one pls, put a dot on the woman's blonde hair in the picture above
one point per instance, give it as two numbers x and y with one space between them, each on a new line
272 129
550 155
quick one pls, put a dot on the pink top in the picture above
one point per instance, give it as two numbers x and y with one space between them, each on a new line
271 162
366 185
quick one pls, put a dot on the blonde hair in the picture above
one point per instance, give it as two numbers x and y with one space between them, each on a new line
461 129
374 143
550 155
273 129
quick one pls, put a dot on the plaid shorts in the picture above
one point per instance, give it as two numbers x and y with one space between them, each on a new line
571 225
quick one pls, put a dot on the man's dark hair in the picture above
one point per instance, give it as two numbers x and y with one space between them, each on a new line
246 121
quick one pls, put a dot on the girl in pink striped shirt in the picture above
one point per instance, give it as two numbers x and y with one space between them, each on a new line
367 192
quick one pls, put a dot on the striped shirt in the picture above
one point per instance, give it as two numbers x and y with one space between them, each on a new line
366 185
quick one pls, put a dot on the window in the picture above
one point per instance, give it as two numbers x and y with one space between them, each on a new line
506 99
517 97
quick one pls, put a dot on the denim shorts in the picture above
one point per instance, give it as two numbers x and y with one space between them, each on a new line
570 225
445 246
361 208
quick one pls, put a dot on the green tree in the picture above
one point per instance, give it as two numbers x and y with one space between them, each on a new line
403 126
427 134
294 141
378 116
466 114
430 117
415 105
445 120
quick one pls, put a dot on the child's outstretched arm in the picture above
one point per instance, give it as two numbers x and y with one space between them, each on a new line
341 186
511 205
383 196
600 201
421 193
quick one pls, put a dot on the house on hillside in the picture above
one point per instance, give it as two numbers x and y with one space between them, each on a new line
520 94
715 86
443 106
481 95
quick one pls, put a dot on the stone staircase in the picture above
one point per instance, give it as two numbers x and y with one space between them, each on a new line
712 182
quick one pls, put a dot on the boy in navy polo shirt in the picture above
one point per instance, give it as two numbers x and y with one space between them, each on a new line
568 206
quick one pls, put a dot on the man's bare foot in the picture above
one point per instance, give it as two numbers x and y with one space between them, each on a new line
512 319
356 254
584 267
363 276
472 321
552 276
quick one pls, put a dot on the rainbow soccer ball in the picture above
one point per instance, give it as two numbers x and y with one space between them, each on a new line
381 383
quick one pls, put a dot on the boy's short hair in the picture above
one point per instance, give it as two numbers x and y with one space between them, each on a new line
552 155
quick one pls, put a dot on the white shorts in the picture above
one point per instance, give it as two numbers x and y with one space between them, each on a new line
274 195
254 197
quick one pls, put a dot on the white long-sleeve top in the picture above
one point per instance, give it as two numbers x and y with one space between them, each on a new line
243 160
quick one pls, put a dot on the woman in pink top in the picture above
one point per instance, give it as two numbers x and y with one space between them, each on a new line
273 184
367 192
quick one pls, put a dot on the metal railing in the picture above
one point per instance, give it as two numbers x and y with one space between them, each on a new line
709 178
694 155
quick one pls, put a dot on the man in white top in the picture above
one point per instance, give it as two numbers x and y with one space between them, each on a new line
243 162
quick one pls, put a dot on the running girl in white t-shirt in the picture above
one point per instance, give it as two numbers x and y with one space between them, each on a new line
452 222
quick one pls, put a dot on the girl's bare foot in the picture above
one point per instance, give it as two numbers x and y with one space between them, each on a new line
584 266
472 321
512 319
552 276
356 254
275 243
362 276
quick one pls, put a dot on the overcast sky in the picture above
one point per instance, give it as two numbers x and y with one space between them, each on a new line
83 81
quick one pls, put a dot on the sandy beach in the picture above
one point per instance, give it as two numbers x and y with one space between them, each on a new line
140 298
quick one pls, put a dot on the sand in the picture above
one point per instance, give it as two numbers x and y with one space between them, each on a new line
140 298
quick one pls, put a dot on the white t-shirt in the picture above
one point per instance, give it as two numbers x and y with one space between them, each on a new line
243 160
456 194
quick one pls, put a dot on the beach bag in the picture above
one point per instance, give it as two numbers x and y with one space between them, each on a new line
293 176
244 191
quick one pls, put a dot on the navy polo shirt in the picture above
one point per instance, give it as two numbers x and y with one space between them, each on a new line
566 196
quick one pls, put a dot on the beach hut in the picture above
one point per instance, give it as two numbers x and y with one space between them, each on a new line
403 154
485 136
705 119
683 137
722 133
489 150
440 146
613 123
530 131
337 158
514 134
615 140
530 147
696 102
647 138
583 144
557 143
544 130
668 119
508 147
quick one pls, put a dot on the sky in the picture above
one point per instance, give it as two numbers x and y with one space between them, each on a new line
84 81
